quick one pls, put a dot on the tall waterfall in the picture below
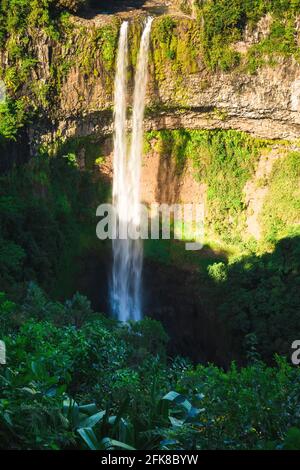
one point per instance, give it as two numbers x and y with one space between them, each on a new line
127 247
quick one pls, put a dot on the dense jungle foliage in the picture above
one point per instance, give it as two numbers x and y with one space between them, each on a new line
75 379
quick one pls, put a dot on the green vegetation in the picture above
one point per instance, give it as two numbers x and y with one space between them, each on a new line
12 117
18 18
258 289
46 218
180 45
32 88
102 43
260 299
175 51
280 42
76 380
85 148
224 160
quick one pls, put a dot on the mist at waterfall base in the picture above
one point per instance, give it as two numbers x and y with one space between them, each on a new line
127 263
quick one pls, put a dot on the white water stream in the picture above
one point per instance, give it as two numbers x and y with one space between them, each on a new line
127 246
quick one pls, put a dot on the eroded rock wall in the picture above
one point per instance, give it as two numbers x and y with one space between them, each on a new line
71 83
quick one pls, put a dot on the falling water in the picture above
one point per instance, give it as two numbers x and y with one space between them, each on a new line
127 248
120 247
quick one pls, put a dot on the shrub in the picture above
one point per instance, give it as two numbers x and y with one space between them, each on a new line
65 387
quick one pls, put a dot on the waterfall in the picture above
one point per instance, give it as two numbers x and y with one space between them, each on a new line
127 247
120 258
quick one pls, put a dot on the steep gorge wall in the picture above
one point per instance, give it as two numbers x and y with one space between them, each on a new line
182 91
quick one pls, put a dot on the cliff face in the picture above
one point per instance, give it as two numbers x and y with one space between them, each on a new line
182 91
266 105
74 77
70 86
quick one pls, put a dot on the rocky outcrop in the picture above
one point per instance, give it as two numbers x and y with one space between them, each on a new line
266 104
65 71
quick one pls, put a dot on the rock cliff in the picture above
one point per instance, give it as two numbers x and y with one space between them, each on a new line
68 82
182 91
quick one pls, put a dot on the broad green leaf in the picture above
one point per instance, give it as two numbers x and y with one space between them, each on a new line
109 443
89 437
92 420
178 399
88 409
176 422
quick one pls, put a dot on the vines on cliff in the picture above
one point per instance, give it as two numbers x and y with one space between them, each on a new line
224 160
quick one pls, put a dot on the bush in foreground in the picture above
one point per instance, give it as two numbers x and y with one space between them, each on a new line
106 385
